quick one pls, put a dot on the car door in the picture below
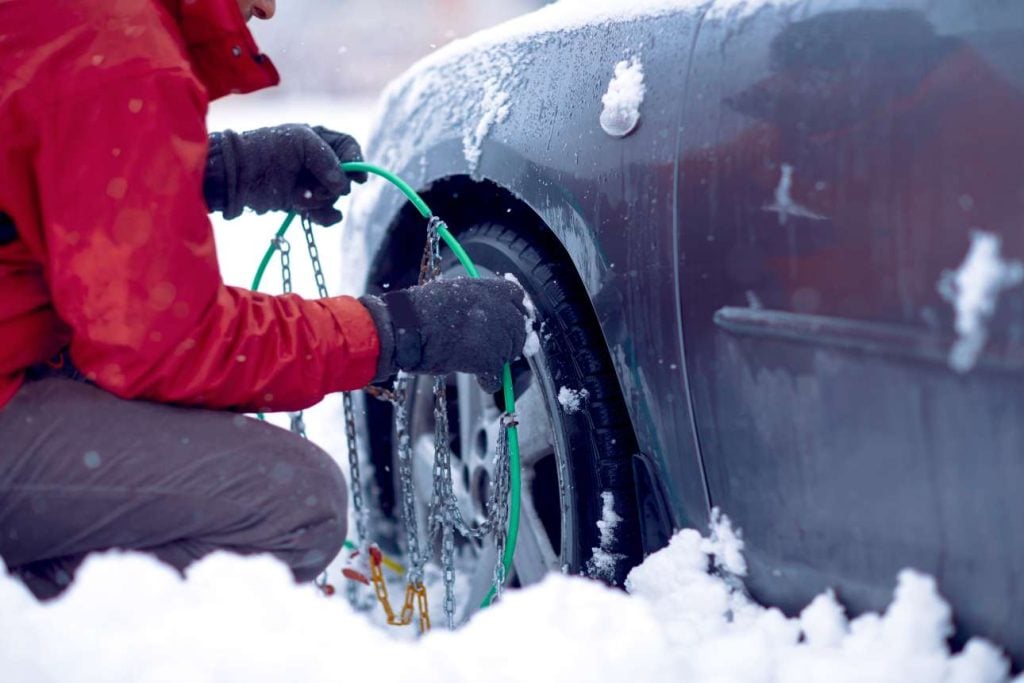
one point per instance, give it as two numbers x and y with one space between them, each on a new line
856 408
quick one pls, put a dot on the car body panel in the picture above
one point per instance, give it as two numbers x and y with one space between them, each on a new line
764 254
838 160
594 192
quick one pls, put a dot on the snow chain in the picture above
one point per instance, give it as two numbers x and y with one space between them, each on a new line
417 592
297 423
444 514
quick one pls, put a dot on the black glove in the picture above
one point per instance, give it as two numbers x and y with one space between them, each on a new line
285 168
444 326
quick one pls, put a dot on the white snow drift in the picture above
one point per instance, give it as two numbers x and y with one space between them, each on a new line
128 618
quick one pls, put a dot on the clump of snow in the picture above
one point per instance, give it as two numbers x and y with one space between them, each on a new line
532 345
979 661
531 310
725 545
784 205
602 562
973 290
718 634
622 101
824 622
572 399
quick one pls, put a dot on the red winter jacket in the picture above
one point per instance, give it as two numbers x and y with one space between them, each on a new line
102 152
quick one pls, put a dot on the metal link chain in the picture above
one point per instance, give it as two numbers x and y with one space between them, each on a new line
314 257
448 562
416 559
499 502
285 249
442 461
430 265
413 593
441 487
430 269
444 494
297 423
356 483
444 510
355 478
359 508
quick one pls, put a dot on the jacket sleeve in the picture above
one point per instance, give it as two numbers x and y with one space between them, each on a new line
133 269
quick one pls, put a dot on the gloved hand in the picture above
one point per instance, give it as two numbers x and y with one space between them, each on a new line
460 325
292 167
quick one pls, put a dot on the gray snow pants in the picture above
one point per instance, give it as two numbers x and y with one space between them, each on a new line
82 470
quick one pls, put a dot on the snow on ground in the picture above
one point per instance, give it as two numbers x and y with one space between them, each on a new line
129 618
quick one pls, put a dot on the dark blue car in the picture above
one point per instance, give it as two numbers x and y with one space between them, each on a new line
776 252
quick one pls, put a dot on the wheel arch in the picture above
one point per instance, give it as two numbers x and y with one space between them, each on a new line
462 202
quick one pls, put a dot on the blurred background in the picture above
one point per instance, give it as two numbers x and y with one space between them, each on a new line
353 47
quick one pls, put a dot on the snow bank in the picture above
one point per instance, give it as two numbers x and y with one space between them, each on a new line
716 633
129 618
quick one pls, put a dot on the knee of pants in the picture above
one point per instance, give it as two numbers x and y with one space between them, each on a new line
325 524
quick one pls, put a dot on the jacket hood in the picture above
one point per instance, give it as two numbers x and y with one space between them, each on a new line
220 47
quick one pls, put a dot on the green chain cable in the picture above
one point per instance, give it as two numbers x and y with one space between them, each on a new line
467 263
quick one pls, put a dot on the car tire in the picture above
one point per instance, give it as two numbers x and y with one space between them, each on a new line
580 495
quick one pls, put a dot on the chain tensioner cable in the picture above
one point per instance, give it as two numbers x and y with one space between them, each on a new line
503 503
